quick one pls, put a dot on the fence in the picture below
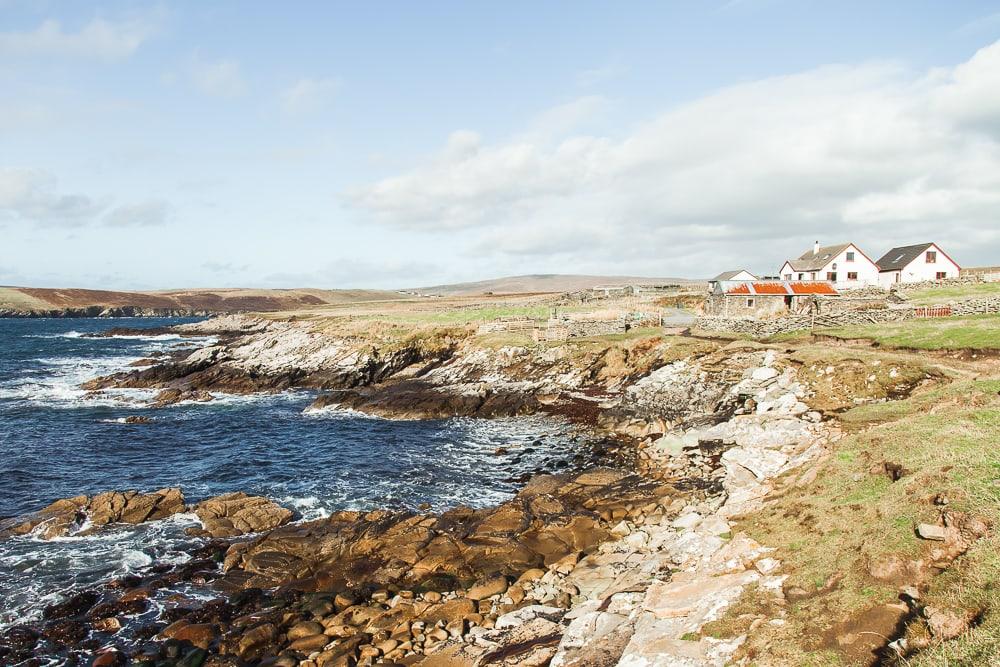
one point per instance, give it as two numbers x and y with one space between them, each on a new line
932 311
989 274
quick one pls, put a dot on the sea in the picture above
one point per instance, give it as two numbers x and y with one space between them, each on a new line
58 440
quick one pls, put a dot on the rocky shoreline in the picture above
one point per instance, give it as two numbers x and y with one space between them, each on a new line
104 312
601 566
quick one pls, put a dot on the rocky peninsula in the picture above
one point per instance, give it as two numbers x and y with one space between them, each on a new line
631 559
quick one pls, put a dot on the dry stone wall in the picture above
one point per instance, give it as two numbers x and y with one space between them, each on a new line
763 328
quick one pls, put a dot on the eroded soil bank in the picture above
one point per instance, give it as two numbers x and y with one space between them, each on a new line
604 566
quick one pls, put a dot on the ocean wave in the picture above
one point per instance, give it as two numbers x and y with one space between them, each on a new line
335 411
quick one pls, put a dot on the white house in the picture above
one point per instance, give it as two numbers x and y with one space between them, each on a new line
844 265
738 274
916 263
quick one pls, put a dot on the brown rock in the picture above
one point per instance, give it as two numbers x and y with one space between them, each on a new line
109 625
255 638
310 643
200 634
111 658
945 624
496 585
304 629
237 514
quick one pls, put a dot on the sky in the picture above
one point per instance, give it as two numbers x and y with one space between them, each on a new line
401 144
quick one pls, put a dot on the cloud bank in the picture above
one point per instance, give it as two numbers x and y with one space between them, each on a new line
871 152
33 196
100 39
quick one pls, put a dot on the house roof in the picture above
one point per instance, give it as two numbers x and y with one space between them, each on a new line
897 258
810 261
779 288
729 275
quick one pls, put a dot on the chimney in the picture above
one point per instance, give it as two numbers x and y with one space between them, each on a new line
816 248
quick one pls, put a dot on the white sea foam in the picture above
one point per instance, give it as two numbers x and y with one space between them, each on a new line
335 411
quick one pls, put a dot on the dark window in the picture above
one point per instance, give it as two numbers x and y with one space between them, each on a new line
850 257
852 275
802 276
940 275
831 276
931 257
749 303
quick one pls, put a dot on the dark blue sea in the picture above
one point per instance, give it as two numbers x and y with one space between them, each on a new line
57 440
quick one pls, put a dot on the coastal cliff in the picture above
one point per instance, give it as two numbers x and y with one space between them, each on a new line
649 553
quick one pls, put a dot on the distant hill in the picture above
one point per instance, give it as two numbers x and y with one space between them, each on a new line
36 299
543 283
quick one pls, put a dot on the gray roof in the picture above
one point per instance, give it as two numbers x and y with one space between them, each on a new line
729 275
897 258
810 261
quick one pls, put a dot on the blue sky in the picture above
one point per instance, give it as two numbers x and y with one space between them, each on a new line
402 144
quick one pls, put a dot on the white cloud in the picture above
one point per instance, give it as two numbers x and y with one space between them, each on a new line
307 95
144 214
100 39
220 78
32 195
871 152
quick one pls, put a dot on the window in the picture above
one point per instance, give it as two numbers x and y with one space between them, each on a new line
788 276
931 257
940 275
852 275
749 303
831 276
813 274
802 276
850 256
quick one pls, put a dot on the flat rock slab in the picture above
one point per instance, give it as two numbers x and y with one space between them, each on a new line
700 596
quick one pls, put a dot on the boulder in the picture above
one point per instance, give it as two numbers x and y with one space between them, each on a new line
235 514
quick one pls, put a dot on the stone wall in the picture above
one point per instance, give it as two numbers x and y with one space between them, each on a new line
980 306
763 328
906 288
989 274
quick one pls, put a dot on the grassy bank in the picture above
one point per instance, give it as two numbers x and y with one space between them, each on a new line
975 332
835 533
940 295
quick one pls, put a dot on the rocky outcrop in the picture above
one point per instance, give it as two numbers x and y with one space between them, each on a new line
229 515
105 311
83 515
237 514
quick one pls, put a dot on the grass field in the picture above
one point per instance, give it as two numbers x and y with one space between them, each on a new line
976 332
853 516
940 295
17 300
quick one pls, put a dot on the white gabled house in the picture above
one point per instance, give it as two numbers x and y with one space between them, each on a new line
844 265
916 263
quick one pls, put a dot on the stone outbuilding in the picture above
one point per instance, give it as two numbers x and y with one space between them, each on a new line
737 274
748 298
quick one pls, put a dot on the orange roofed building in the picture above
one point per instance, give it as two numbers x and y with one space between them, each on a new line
761 299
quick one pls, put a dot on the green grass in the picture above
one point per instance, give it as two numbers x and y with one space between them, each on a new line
942 295
472 315
975 332
853 515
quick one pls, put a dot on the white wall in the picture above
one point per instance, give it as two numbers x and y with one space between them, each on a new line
864 267
919 270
